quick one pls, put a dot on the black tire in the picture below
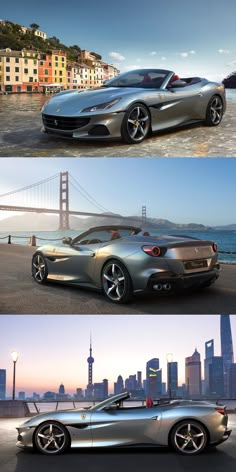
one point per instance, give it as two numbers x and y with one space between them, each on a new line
51 438
116 282
39 268
214 112
136 124
189 437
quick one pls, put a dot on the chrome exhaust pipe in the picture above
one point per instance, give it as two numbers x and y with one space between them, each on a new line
158 287
167 287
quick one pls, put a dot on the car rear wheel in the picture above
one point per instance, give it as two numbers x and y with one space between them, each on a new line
51 438
189 437
116 282
214 111
39 268
136 124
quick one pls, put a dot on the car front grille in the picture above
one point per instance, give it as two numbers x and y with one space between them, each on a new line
65 123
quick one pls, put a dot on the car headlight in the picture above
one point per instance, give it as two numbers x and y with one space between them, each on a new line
101 106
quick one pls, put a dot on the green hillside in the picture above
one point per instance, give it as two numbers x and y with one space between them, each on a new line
12 37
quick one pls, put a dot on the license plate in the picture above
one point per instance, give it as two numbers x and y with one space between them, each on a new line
198 264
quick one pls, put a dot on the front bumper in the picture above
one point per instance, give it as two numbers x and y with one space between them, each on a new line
94 126
170 281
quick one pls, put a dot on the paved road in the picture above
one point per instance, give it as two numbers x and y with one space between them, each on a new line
20 294
12 459
20 136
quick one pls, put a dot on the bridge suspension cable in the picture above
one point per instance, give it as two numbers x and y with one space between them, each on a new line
86 195
27 187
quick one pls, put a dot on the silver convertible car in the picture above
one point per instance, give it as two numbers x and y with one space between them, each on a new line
121 260
188 426
132 105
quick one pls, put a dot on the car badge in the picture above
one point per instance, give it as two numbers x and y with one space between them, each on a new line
83 416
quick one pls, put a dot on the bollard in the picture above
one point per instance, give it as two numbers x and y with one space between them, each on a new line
32 240
9 239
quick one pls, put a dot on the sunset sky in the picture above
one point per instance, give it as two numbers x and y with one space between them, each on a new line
192 38
54 348
197 190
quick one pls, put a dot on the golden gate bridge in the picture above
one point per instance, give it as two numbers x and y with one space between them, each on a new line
44 189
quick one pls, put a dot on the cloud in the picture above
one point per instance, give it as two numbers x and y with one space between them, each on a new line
223 51
153 53
183 54
117 56
231 64
163 58
192 52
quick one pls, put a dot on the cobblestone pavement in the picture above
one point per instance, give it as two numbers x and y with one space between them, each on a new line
20 136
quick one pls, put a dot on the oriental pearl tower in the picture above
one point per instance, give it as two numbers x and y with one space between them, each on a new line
90 361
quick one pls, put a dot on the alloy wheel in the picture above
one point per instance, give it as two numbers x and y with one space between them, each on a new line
39 268
51 438
189 438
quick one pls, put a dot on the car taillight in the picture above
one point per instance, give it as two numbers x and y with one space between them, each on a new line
215 247
153 251
221 411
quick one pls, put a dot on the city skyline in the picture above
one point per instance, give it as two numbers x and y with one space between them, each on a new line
150 182
65 359
176 37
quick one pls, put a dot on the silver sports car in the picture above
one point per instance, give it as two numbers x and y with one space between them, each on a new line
133 104
121 260
188 426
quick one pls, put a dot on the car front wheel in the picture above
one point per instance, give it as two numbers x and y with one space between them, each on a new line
51 438
116 282
189 437
136 124
214 111
39 268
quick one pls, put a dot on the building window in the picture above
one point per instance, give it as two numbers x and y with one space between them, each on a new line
62 59
46 79
35 62
55 72
17 69
17 78
55 79
50 64
46 72
7 59
31 79
35 71
7 78
68 80
25 61
60 72
41 63
26 71
7 69
56 64
60 80
56 58
17 60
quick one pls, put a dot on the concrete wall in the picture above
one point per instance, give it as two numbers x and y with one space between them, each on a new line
12 408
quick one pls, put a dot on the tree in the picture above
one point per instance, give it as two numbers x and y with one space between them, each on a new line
34 26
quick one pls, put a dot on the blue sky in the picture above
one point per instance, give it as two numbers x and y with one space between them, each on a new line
198 190
192 38
65 341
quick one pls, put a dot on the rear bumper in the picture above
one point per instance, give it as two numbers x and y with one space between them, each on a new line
225 436
169 281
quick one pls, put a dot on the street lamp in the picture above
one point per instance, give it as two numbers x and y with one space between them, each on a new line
169 358
14 356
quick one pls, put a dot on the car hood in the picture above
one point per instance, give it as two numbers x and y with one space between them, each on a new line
51 415
74 103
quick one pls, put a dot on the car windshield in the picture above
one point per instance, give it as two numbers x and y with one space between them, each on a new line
102 235
140 78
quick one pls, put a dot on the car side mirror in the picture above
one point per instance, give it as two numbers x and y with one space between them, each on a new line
67 241
177 84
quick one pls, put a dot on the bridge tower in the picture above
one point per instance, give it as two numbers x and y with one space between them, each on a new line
144 213
64 201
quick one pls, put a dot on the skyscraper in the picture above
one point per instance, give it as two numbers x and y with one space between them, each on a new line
209 353
226 349
213 371
153 379
2 384
90 360
119 385
193 375
172 379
